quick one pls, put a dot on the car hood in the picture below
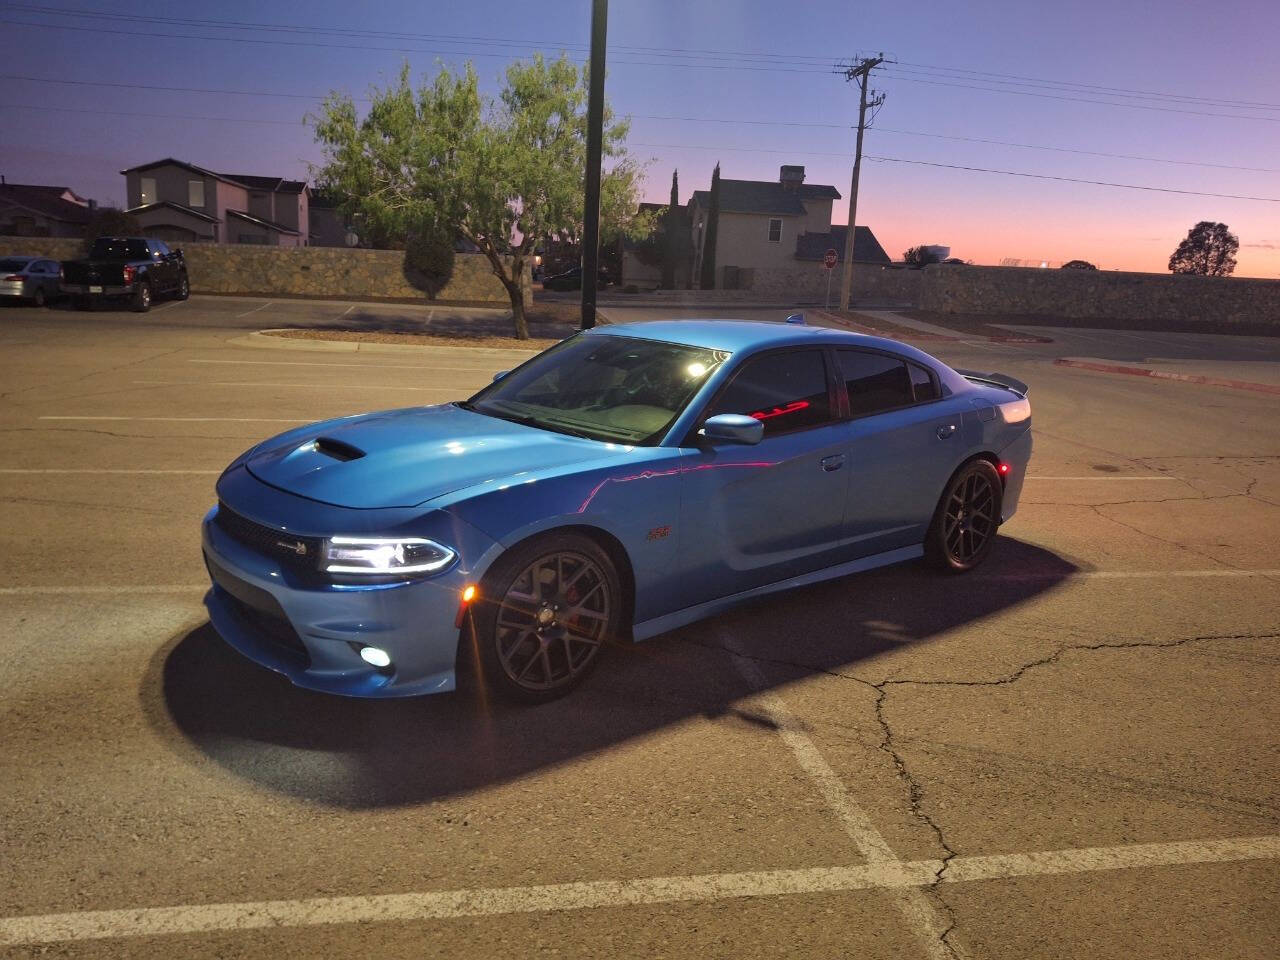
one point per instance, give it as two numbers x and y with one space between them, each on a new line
402 458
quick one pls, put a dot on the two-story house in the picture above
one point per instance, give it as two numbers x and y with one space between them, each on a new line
34 210
179 201
771 225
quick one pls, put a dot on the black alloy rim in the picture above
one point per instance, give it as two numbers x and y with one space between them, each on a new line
552 621
970 517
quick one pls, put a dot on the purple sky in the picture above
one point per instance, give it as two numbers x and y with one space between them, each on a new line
1223 53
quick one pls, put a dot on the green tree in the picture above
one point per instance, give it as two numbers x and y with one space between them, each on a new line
1209 250
111 222
668 248
503 173
707 280
428 258
1078 265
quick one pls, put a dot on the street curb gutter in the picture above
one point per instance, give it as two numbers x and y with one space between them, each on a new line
1170 375
267 339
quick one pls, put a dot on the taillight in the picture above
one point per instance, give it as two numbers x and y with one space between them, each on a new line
129 272
14 276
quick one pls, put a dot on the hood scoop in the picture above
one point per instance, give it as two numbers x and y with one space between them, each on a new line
337 449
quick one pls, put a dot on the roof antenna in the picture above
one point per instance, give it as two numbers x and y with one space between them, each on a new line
795 318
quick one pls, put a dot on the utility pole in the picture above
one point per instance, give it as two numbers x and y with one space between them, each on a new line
860 71
595 138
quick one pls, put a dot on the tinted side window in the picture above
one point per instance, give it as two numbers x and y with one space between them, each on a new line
160 247
786 391
923 383
875 382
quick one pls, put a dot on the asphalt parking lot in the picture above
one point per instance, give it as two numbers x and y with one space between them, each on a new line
1073 752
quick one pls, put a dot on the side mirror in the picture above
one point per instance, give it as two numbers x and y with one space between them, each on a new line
733 428
795 318
499 375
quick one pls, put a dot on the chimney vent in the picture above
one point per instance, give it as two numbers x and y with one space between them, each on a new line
791 176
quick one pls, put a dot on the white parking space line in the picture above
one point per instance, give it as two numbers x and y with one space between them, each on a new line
926 920
300 386
189 419
370 365
254 310
703 888
104 470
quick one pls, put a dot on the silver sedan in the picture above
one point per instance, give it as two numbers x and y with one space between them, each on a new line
34 279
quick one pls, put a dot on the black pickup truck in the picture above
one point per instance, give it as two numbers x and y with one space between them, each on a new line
138 268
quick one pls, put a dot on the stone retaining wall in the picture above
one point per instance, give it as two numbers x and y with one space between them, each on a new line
808 283
322 272
1099 294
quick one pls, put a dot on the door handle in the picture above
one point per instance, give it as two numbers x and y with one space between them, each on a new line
832 463
946 430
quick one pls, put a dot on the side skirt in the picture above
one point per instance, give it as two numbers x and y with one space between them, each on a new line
680 618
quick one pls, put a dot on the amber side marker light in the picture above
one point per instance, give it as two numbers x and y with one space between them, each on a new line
469 593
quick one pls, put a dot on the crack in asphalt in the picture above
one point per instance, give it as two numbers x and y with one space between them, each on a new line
92 373
915 791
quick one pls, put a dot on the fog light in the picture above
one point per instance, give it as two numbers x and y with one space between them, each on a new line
375 656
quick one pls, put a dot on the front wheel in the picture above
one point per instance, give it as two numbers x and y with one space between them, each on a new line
184 288
544 613
142 298
39 299
966 519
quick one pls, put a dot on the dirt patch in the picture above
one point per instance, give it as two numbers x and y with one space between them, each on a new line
423 339
972 321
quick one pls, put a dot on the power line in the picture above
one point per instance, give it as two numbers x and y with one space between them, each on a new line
1087 153
1093 86
1096 183
1106 103
635 116
773 59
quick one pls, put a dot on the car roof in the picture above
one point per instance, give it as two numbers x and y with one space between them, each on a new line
22 257
736 336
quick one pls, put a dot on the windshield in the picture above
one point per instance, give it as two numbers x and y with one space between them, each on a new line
107 248
609 388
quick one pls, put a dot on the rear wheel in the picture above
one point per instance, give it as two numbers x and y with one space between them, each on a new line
142 298
966 519
545 612
184 288
39 299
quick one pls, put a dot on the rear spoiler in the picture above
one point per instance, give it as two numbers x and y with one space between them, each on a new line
996 379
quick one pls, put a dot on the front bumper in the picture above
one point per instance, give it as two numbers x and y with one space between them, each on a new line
312 632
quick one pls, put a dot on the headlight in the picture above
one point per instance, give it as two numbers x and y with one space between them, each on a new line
385 556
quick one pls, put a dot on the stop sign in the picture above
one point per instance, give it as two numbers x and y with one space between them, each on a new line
829 259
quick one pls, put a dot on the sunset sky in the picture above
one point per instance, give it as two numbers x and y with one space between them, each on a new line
1172 81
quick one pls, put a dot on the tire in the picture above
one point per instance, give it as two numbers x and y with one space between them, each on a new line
39 299
966 519
184 288
531 649
142 298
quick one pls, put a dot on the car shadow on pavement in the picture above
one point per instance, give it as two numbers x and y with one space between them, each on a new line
212 703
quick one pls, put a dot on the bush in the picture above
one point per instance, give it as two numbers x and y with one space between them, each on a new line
1078 265
111 222
428 261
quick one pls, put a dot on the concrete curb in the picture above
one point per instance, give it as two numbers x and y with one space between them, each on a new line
1169 375
265 339
907 333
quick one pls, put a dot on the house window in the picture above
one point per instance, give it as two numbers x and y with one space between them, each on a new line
148 191
195 193
775 230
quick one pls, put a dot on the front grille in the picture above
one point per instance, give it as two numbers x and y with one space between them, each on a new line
302 553
276 631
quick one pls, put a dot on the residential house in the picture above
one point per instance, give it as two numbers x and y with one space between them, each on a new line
180 202
771 225
641 261
33 210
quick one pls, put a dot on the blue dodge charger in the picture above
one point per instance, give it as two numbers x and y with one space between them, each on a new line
620 484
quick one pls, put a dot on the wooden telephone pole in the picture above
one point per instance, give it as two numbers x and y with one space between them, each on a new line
860 71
